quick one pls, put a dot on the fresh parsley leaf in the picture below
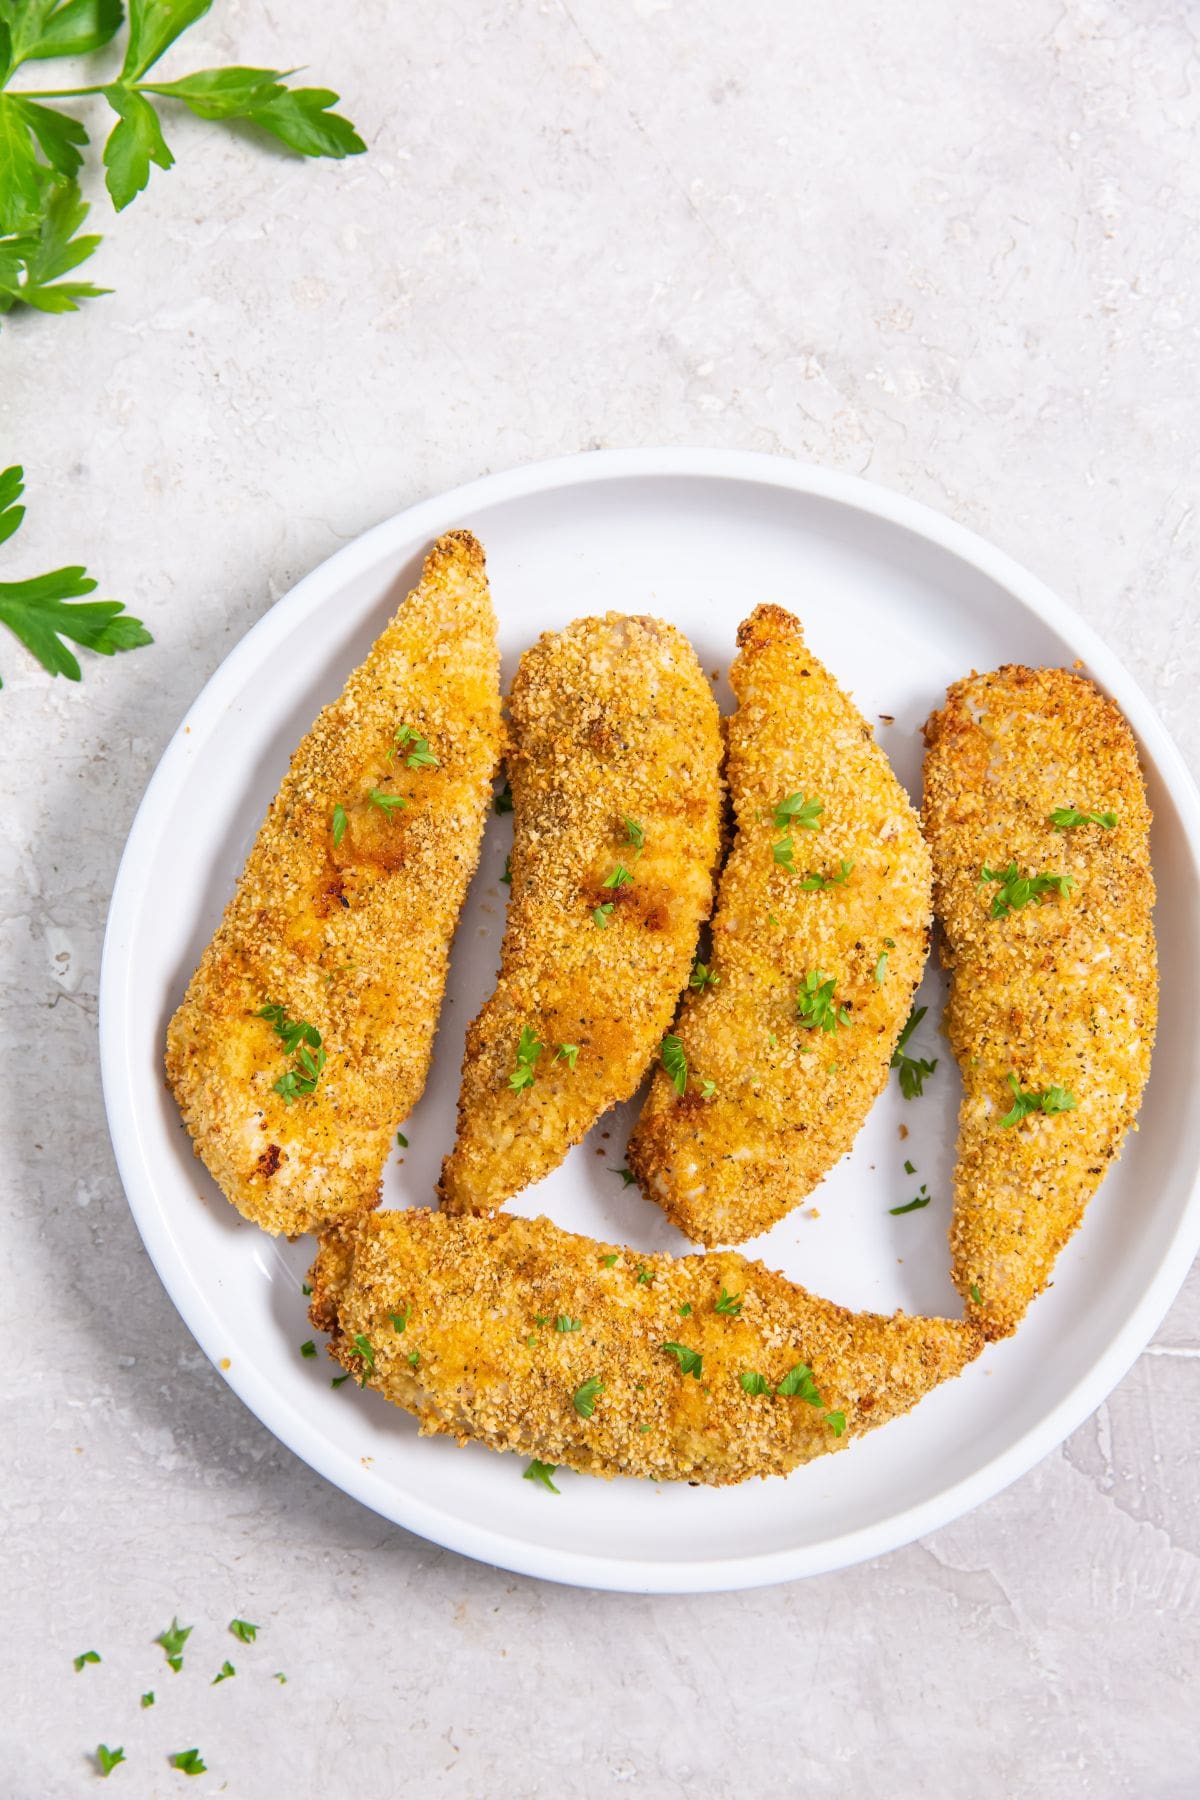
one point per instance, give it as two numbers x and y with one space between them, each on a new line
190 1761
108 1759
797 813
302 1077
336 1381
242 1629
729 1304
136 141
799 1382
644 1275
541 1318
707 1089
402 1140
783 852
503 802
528 1051
72 29
836 1422
635 834
39 611
913 1069
1052 1099
913 1205
608 1261
223 1673
601 914
300 118
153 27
691 1362
754 1383
414 1357
148 1698
909 1168
86 1656
232 93
1066 818
308 1349
420 756
339 824
506 878
172 1640
1018 890
881 968
541 1473
387 803
366 1351
702 976
627 1176
813 883
280 1677
619 878
400 1319
815 1004
58 137
585 1396
567 1053
685 1311
976 1296
565 1322
674 1061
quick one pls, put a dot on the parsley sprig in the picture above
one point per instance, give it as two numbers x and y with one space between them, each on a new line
729 1304
301 1041
1066 818
585 1396
815 883
172 1640
541 1473
1051 1099
816 1007
798 1383
189 1761
793 813
674 1061
107 1759
691 1362
702 976
913 1069
42 145
1018 890
419 756
528 1051
44 610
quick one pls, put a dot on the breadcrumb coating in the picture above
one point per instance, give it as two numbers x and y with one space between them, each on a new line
771 1101
351 936
523 1337
1057 994
615 769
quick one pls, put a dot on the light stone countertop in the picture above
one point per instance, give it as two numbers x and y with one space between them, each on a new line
951 248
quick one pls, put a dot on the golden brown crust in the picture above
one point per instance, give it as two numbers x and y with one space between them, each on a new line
789 1099
612 720
352 937
1063 993
479 1299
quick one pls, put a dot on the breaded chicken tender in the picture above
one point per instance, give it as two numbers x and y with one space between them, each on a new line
305 1034
615 771
819 939
1037 817
527 1338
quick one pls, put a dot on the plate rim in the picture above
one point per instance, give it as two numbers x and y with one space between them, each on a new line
285 1420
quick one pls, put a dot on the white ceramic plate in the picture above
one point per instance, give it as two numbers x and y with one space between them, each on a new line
897 602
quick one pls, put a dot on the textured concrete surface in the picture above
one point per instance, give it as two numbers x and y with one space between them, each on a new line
952 248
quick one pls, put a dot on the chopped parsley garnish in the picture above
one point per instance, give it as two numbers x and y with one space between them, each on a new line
302 1077
881 968
541 1318
635 834
402 1140
601 915
292 1033
567 1053
782 852
148 1698
619 878
1066 818
627 1176
685 1309
585 1396
754 1383
296 1036
242 1629
729 1304
503 801
85 1656
506 878
305 1288
815 1004
976 1296
691 1362
675 1063
797 813
280 1677
644 1275
339 824
702 976
172 1641
387 803
909 1168
223 1673
799 1382
913 1205
565 1322
190 1761
337 1380
608 1261
913 1069
366 1351
813 882
528 1051
108 1759
836 1422
420 756
1018 890
541 1473
308 1348
1052 1099
400 1319
414 1357
707 1089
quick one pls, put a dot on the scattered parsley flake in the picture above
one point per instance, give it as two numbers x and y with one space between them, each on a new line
910 1168
402 1140
643 1428
635 834
414 1357
707 1089
913 1069
400 1319
799 1382
337 1380
912 1206
223 1673
568 1053
815 883
305 1289
503 803
565 1322
691 1362
674 1061
1052 1099
627 1176
881 968
308 1348
541 1473
782 851
280 1677
190 1761
242 1629
148 1698
506 878
608 1261
795 812
644 1275
702 976
339 824
685 1309
172 1641
1018 890
729 1304
541 1318
601 915
619 878
815 1004
86 1656
585 1396
528 1051
387 803
366 1351
108 1759
420 755
754 1383
976 1296
836 1422
1066 818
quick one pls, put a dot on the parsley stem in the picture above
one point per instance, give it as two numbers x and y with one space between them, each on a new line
59 93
